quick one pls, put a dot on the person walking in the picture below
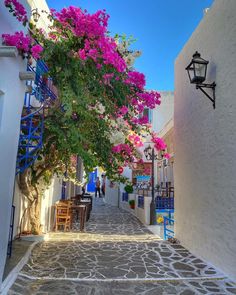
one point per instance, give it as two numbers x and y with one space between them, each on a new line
97 187
83 189
103 184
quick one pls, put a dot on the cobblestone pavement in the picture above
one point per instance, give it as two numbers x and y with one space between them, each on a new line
116 255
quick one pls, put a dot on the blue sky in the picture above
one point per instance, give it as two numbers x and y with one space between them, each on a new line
161 28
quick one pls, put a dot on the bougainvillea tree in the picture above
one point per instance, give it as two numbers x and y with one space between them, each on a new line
101 97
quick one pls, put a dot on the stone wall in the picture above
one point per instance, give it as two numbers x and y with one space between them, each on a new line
205 142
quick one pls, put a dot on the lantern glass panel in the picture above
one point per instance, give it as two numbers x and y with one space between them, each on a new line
199 72
191 74
148 152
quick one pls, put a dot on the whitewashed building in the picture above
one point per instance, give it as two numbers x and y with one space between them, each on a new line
205 142
12 90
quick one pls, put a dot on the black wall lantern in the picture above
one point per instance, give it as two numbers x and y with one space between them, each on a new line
35 15
197 70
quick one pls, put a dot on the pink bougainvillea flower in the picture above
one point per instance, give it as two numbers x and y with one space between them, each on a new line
18 39
107 78
136 140
141 121
167 156
82 54
159 143
36 50
137 79
93 28
18 10
98 66
122 111
122 148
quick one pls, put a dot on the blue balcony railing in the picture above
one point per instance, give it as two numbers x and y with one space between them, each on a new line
164 202
30 141
39 97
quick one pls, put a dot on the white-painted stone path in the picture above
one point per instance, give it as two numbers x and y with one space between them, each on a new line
116 255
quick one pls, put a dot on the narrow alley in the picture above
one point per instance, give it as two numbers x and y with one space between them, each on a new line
116 255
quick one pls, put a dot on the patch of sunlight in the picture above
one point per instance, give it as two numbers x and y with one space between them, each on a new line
92 237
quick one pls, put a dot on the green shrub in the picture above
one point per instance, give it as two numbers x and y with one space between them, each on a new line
129 188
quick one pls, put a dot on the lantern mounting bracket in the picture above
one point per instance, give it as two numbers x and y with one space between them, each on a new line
212 86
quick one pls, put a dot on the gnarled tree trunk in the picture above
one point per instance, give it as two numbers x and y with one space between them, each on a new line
33 194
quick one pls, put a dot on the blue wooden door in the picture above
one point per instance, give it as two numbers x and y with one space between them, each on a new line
92 180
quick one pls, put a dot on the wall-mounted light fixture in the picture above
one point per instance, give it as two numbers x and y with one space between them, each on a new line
197 70
35 15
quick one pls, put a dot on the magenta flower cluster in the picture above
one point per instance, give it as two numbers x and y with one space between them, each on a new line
136 79
98 46
93 28
159 143
141 120
135 140
92 42
36 51
23 44
17 9
19 39
122 148
122 111
149 99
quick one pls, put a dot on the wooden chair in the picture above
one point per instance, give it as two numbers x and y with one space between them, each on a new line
63 215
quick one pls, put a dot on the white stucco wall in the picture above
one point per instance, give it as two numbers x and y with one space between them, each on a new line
43 21
11 103
51 195
205 143
164 112
143 214
111 196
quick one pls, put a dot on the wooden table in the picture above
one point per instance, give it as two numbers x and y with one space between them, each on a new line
81 211
88 197
88 205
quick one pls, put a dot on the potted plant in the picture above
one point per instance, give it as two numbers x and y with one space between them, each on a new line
132 204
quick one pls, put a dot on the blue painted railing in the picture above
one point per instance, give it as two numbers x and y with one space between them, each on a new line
164 202
39 97
141 202
10 239
168 233
30 140
125 197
